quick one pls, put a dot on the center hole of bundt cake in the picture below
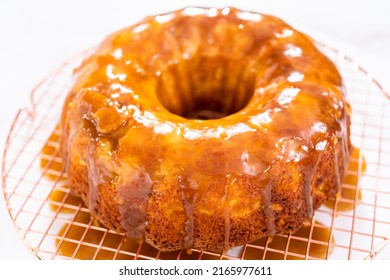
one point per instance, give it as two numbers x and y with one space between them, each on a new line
208 88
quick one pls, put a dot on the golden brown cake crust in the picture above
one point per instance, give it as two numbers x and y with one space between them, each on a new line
206 129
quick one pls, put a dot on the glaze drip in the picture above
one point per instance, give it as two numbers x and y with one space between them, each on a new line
132 192
267 203
337 176
308 182
188 188
229 187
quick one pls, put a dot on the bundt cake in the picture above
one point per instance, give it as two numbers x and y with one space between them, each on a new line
205 128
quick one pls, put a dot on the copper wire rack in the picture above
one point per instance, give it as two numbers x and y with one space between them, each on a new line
55 225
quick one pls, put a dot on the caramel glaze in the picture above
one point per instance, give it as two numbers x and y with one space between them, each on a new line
350 194
294 247
98 244
206 129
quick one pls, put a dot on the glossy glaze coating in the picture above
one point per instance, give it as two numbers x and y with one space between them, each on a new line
205 128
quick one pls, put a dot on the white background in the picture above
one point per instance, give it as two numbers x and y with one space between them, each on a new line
37 36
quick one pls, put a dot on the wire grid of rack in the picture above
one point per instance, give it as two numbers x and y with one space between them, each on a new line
55 225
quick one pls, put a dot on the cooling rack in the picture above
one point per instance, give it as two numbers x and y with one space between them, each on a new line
55 225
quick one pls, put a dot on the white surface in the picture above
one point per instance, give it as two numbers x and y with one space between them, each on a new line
37 36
